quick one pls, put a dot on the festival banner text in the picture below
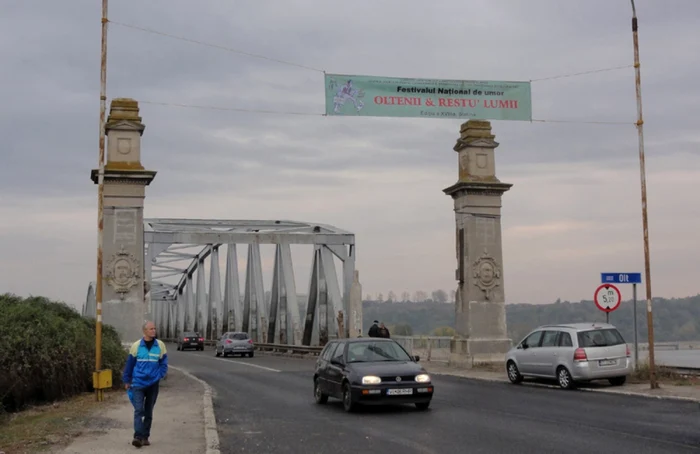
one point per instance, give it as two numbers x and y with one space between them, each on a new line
370 96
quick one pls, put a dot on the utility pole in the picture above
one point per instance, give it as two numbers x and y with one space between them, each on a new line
645 223
99 391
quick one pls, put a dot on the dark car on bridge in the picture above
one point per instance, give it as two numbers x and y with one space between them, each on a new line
373 371
191 340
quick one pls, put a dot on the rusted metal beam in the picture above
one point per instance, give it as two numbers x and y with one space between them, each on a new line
99 394
645 222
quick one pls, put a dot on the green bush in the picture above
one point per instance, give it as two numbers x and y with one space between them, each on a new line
47 351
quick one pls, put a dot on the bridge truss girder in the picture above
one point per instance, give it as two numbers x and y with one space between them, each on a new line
177 305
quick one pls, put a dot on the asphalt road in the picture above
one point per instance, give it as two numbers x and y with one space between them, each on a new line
265 405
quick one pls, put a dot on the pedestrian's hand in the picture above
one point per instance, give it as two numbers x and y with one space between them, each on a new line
127 386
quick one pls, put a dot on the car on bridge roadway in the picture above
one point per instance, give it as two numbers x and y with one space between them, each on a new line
370 371
571 353
235 343
190 339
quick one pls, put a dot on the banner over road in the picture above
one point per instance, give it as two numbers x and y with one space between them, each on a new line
370 96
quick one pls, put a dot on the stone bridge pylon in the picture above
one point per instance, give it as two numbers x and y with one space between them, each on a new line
155 268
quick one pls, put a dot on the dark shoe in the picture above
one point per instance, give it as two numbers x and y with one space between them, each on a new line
137 442
145 442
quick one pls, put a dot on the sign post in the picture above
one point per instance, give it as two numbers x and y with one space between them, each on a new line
627 278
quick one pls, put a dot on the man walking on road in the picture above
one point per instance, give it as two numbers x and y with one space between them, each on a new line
146 365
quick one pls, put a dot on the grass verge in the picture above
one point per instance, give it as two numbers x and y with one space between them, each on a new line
40 428
664 375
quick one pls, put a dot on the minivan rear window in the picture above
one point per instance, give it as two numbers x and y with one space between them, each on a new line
600 338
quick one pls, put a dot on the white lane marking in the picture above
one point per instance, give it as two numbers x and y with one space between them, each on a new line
233 361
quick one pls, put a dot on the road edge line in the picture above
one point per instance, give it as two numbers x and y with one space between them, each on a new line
211 434
602 391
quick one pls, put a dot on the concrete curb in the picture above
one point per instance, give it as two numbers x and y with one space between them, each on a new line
590 390
211 435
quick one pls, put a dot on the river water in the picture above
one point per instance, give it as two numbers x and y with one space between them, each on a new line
676 358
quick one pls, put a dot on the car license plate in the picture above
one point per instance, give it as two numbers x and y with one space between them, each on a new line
607 362
193 343
399 392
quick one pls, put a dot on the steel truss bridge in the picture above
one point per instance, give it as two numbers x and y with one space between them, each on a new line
177 251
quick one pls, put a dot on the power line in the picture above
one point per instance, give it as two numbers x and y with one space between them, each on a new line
631 123
217 46
232 109
313 114
582 73
263 57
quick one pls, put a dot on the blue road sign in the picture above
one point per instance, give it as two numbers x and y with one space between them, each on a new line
621 278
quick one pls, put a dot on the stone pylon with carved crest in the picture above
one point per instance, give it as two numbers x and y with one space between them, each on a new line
125 182
480 318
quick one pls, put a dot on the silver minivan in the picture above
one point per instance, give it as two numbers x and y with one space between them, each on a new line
570 353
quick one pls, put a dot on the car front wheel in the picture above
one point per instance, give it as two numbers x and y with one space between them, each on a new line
513 373
348 403
422 406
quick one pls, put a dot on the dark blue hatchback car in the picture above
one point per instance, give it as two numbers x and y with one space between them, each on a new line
371 371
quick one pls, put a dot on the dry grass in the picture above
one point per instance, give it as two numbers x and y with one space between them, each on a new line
43 427
663 375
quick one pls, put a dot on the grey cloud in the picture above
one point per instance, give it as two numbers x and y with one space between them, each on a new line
49 123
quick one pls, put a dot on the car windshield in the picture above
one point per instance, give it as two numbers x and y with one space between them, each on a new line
239 336
600 338
363 352
190 335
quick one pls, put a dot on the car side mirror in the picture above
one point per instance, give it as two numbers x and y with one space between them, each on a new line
416 358
524 346
336 361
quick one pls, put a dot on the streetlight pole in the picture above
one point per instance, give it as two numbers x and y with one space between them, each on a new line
645 221
99 392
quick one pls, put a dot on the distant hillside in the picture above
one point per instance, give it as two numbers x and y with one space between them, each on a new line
675 319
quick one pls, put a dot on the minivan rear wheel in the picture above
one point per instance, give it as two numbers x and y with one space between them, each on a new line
564 378
617 381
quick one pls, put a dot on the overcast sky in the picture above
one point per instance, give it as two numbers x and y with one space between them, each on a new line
573 212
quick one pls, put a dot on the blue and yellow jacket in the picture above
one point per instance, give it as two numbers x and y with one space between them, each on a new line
143 367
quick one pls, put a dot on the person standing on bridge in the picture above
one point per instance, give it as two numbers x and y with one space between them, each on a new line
384 331
374 329
146 365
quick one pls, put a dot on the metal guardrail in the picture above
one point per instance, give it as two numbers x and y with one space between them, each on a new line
307 350
692 371
277 348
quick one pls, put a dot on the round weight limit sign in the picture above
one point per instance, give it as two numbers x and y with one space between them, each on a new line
607 297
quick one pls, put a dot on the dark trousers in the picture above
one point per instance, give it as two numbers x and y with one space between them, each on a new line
144 399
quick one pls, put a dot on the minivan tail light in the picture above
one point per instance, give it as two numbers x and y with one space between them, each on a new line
580 355
201 339
250 341
628 351
228 341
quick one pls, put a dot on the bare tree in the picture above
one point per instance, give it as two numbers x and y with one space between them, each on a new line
391 297
420 296
440 296
405 297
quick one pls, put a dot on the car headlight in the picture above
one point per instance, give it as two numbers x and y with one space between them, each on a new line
371 380
422 378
